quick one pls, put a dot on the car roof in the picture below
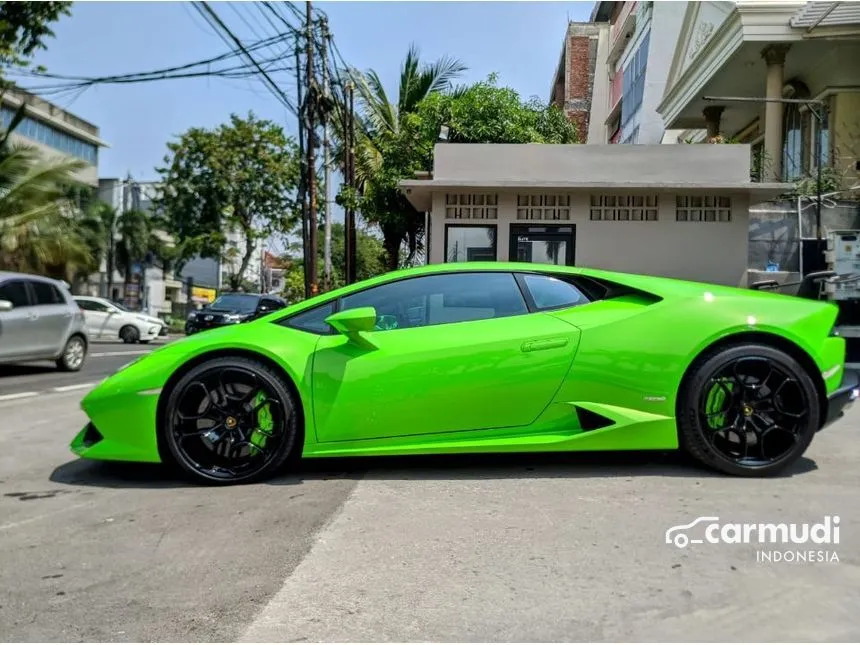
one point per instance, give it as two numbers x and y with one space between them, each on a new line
14 275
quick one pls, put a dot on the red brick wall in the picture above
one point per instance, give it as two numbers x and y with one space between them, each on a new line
580 63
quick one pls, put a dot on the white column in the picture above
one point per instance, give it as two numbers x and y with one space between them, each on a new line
774 56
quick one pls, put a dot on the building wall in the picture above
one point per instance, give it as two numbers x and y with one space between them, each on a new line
56 133
707 251
600 90
570 163
664 27
845 136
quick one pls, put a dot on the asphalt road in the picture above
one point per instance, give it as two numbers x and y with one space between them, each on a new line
453 549
103 359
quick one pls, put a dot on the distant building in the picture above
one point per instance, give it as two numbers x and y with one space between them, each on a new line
54 131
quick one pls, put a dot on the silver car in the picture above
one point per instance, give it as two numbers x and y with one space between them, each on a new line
39 320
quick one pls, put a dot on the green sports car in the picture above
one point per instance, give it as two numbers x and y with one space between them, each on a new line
485 357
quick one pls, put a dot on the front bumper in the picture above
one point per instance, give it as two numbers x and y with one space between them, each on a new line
843 397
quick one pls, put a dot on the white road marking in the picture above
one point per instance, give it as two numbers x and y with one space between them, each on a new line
69 388
127 353
17 395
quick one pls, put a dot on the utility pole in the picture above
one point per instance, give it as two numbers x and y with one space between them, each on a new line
349 246
302 173
326 163
312 171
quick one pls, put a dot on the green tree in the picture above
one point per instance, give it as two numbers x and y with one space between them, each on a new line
393 144
24 28
240 176
37 223
384 136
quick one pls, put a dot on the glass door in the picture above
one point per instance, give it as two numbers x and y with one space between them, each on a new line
543 244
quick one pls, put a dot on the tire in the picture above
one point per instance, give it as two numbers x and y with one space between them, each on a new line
747 410
203 451
145 342
129 334
74 355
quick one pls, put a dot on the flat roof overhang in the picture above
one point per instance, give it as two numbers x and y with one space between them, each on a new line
420 192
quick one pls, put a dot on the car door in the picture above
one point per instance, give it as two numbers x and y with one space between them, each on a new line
16 335
53 316
95 315
450 352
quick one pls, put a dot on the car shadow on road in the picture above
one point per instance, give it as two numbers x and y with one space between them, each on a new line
81 472
26 369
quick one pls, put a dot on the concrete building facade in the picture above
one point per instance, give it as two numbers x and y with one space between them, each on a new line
675 211
769 51
56 132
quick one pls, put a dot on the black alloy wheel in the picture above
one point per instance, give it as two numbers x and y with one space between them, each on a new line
748 410
231 420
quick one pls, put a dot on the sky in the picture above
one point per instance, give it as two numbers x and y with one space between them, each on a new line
521 41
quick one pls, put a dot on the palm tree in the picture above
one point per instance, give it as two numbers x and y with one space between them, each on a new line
37 231
380 126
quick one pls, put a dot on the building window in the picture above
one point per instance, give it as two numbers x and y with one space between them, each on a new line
637 208
471 206
52 137
699 208
543 207
470 243
634 81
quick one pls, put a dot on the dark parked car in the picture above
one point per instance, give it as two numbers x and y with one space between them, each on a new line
231 309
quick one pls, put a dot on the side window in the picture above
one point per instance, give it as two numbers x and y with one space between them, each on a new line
15 292
270 304
441 299
91 305
46 293
549 292
313 320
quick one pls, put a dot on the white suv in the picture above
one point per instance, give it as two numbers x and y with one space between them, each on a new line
110 320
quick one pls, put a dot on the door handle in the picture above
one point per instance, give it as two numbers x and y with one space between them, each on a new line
544 343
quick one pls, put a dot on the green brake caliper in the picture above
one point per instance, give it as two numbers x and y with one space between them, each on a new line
265 424
715 404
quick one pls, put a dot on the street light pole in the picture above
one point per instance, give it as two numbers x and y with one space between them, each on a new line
813 105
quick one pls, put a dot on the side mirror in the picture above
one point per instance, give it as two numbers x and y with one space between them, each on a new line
352 322
5 305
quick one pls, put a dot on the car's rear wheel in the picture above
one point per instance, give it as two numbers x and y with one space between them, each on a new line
231 420
129 334
748 410
73 356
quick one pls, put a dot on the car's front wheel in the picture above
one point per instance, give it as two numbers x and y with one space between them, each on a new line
129 334
231 420
748 410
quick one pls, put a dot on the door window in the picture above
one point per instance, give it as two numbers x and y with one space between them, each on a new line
91 305
550 292
269 304
46 293
441 299
15 292
313 320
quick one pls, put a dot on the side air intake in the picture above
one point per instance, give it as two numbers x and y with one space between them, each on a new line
589 420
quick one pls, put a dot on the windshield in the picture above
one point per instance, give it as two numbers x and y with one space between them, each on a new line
235 302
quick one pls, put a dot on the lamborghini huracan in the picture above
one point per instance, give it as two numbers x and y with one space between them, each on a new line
485 358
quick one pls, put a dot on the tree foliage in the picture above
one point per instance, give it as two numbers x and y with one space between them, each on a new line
24 28
241 176
396 140
38 226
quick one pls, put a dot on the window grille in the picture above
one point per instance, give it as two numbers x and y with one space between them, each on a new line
699 208
543 207
471 206
636 208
